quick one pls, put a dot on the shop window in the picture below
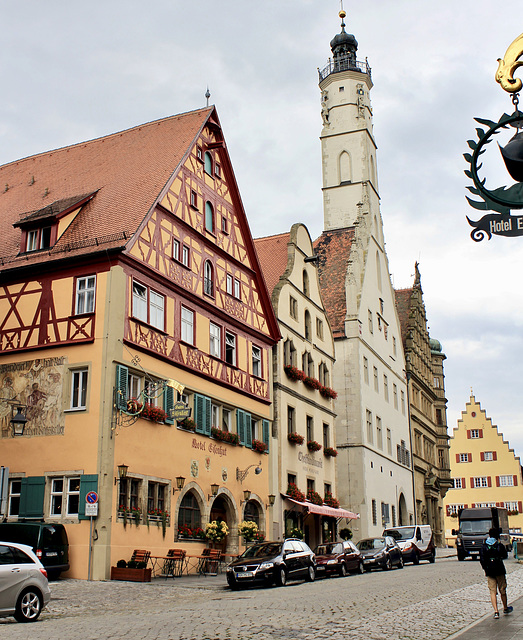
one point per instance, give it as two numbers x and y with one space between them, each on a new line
85 295
65 496
79 388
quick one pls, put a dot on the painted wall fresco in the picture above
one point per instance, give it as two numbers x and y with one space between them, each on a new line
38 386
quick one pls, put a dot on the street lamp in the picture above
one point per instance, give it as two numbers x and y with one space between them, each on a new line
18 423
272 498
246 496
214 491
241 475
180 481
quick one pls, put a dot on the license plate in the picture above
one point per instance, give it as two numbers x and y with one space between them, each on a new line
245 574
51 553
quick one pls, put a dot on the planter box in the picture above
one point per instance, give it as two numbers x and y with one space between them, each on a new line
131 575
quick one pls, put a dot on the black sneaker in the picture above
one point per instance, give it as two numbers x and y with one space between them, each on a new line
508 610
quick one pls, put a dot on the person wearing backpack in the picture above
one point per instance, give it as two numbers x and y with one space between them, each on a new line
491 556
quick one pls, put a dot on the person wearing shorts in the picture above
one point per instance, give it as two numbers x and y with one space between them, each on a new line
491 556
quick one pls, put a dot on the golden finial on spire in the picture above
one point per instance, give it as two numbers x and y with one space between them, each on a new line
342 13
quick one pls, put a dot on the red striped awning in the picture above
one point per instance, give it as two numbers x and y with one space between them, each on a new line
323 510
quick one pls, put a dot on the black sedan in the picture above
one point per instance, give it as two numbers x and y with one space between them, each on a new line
380 553
338 557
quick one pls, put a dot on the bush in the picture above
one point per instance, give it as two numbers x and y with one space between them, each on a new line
345 534
132 564
121 564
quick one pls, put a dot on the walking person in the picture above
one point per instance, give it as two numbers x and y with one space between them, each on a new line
492 554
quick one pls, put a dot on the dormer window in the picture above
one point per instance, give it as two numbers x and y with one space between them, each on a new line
38 239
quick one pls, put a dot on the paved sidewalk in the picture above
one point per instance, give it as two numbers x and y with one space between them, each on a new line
508 627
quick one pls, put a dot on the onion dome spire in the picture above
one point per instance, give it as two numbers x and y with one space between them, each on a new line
344 46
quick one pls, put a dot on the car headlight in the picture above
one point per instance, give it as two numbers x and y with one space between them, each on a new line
331 562
265 565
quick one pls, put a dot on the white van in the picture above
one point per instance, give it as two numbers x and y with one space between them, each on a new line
415 541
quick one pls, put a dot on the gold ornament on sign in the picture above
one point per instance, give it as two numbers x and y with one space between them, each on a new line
507 66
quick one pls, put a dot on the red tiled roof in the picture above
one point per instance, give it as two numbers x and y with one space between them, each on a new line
273 257
403 297
127 170
333 250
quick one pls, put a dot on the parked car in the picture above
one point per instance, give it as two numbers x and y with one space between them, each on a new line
338 557
24 590
416 542
380 553
48 541
272 562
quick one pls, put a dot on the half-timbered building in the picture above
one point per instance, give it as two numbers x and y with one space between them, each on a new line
130 296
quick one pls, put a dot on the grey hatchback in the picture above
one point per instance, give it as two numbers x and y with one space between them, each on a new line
24 590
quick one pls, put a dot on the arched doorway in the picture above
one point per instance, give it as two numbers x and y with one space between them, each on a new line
221 512
403 515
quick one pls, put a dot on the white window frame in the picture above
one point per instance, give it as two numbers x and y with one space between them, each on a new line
458 483
64 496
464 457
215 416
256 361
79 386
230 348
156 310
14 492
488 456
176 250
229 280
187 325
474 433
185 255
480 482
215 340
32 240
140 301
506 481
85 295
237 289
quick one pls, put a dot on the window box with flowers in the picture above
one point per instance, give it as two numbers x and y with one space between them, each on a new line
294 373
150 412
188 424
330 452
160 517
295 438
327 392
331 501
225 436
314 497
195 533
259 446
312 383
130 515
294 493
312 445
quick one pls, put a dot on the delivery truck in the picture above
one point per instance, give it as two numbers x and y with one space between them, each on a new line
474 526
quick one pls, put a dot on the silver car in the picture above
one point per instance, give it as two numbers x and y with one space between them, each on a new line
24 590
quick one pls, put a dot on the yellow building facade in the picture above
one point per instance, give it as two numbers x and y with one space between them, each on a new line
136 335
484 469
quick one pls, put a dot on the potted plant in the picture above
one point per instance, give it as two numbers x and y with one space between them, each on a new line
296 532
259 446
248 530
136 514
225 436
314 497
327 392
188 424
330 452
331 501
131 571
294 493
293 372
216 531
312 383
345 534
295 438
312 445
150 412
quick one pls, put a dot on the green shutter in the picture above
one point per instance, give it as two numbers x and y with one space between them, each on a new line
87 483
202 414
240 425
248 429
168 403
122 376
266 425
32 497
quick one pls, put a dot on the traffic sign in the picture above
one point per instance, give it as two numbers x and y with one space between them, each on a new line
91 497
91 508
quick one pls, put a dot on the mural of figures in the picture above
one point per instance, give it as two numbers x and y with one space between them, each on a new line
36 385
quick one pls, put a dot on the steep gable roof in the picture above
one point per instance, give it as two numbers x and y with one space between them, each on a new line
127 171
403 297
273 256
333 249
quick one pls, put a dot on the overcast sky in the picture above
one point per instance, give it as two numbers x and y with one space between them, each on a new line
74 71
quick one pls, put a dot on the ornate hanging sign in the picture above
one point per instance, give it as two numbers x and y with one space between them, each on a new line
502 199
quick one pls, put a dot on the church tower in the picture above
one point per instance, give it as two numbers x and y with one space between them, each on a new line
347 144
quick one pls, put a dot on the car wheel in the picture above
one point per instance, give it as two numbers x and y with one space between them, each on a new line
361 568
281 577
28 606
343 570
311 574
461 556
416 559
232 584
432 558
401 563
387 565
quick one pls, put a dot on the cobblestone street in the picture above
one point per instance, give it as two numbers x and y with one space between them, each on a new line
428 602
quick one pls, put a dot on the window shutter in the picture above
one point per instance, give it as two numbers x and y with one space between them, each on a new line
469 455
489 481
87 483
240 425
248 430
473 505
481 433
457 457
168 403
468 434
32 497
482 456
202 414
520 506
494 455
466 506
122 392
515 481
472 483
266 425
448 510
463 483
497 481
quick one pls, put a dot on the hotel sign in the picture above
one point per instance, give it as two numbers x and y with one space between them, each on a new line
180 411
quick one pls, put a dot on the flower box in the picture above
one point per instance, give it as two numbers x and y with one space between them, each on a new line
331 501
330 452
188 424
259 446
150 412
327 392
225 436
131 575
294 373
312 383
314 497
312 445
295 438
294 493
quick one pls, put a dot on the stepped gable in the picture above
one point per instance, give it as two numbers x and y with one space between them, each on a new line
124 173
333 249
273 256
